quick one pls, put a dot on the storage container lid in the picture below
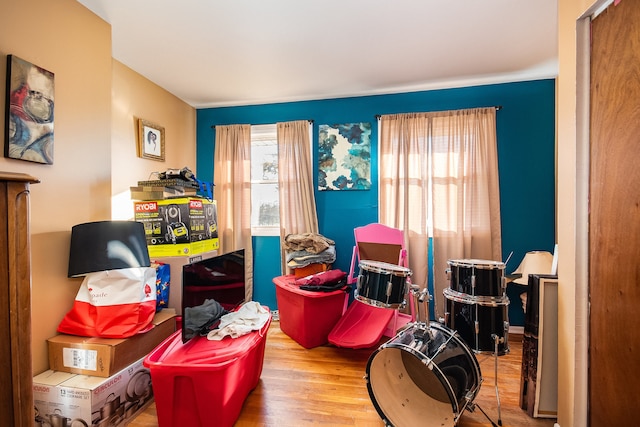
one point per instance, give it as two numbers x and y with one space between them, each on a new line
288 283
203 352
361 326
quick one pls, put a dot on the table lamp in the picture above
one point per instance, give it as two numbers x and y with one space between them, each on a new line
534 262
117 298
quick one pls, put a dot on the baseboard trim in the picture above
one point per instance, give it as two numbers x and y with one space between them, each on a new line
516 330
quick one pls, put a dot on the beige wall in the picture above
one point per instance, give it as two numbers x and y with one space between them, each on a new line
572 121
96 100
136 97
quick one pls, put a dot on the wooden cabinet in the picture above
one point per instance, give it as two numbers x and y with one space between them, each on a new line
539 376
16 397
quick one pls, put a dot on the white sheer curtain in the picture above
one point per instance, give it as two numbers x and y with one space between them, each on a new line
439 179
232 178
295 181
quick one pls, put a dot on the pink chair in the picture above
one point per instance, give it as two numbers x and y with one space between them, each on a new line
377 242
364 323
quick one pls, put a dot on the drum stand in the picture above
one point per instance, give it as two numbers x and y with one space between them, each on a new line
497 340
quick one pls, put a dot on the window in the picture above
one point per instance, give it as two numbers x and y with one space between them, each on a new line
265 205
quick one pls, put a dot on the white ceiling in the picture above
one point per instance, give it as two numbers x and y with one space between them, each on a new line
213 53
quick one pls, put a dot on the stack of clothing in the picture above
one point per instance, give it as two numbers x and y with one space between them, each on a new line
308 248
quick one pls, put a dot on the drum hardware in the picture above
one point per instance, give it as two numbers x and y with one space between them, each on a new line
420 300
472 408
497 341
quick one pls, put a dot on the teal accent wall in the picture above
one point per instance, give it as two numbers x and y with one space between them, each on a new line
526 161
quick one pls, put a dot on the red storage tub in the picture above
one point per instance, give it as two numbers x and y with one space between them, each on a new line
305 316
202 382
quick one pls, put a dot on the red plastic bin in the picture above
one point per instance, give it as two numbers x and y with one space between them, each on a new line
205 383
305 316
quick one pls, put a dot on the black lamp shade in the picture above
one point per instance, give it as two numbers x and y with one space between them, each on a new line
107 245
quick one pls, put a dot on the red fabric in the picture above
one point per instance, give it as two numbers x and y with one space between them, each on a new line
325 277
113 321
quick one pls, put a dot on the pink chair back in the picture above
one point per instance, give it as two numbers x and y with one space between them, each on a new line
377 242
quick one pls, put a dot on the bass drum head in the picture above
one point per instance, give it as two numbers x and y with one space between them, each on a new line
406 392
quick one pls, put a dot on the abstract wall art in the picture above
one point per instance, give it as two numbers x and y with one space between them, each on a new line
29 112
344 157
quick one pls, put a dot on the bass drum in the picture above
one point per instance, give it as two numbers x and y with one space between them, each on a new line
424 376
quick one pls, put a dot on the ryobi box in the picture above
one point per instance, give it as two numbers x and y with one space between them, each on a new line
177 227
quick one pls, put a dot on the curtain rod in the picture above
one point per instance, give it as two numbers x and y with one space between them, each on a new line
497 107
214 126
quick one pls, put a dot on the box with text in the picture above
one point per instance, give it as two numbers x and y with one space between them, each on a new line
103 357
65 399
177 227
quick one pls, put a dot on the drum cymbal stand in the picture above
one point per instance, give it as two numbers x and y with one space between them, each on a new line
497 340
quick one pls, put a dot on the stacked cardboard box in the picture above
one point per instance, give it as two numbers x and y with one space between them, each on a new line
65 399
179 227
98 381
103 357
161 192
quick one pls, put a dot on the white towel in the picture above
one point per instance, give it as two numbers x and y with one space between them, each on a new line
250 317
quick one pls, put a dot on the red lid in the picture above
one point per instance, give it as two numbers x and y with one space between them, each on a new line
361 326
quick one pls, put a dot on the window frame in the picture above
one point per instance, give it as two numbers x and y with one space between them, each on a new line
263 133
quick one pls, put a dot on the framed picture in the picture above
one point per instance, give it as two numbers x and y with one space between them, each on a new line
150 140
29 112
344 157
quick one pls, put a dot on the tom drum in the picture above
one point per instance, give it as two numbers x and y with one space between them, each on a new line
478 320
477 277
381 284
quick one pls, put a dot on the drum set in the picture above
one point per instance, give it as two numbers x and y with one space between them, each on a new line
428 373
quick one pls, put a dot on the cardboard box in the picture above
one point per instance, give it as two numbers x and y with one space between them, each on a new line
175 282
62 398
180 226
310 269
103 357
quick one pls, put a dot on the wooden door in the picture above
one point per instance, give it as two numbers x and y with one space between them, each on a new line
614 219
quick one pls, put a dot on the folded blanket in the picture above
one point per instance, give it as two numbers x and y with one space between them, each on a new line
300 259
310 242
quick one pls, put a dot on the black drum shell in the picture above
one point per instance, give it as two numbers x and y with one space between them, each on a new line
381 284
492 315
477 277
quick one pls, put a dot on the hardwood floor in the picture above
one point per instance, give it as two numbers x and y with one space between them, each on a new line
325 386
